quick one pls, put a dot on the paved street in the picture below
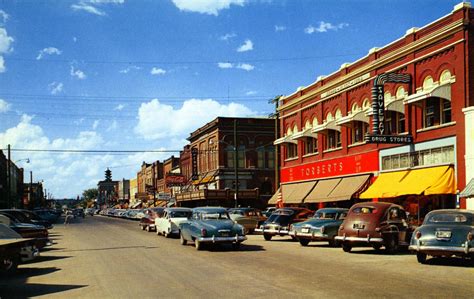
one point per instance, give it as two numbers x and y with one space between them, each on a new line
99 257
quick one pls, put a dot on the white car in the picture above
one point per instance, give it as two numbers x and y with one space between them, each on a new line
169 224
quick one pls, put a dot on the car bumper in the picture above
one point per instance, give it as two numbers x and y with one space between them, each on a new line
454 249
214 239
272 231
311 235
367 239
29 253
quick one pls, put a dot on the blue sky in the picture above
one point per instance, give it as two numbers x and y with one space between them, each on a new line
142 75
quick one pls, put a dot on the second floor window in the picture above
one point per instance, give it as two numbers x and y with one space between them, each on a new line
333 139
291 151
394 123
310 146
436 111
359 129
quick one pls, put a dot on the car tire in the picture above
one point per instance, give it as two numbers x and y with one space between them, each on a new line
391 245
304 242
333 242
236 245
421 257
143 227
197 244
346 247
182 240
267 237
9 265
147 228
376 246
166 234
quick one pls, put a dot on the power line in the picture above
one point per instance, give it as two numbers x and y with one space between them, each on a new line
92 151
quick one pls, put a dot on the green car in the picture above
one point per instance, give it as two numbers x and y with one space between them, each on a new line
323 226
444 233
211 225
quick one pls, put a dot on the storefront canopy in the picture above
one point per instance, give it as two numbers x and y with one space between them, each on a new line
469 190
432 180
322 190
347 187
273 200
295 193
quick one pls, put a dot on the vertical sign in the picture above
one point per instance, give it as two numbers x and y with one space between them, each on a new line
194 164
378 107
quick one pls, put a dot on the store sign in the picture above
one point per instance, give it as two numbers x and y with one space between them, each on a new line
378 107
344 86
194 164
348 165
175 180
164 196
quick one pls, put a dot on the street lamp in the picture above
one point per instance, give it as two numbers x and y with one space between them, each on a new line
27 160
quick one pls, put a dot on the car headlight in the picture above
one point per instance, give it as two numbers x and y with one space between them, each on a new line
322 229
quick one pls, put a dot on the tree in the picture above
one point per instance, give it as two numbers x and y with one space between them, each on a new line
90 194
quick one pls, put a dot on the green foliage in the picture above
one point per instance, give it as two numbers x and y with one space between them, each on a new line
90 194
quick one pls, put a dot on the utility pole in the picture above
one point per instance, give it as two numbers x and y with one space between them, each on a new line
9 201
30 191
236 171
276 101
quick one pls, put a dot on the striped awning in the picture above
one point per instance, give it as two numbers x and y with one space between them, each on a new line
469 190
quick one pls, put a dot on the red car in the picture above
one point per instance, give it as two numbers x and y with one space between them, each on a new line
148 222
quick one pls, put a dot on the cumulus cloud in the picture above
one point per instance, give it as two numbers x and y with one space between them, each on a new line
161 121
48 51
5 47
210 7
247 46
4 106
279 28
55 87
130 68
242 66
119 107
324 27
228 36
92 6
3 17
95 124
157 71
77 73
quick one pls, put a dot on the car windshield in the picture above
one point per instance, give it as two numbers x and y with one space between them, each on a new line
364 210
283 212
325 215
180 214
214 215
446 218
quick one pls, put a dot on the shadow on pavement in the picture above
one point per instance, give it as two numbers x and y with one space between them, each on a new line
450 261
34 289
42 258
110 248
379 252
46 249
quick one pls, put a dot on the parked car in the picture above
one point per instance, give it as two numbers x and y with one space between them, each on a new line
323 226
26 216
268 211
79 212
444 233
48 215
375 224
168 225
211 225
148 222
28 250
27 230
279 222
249 218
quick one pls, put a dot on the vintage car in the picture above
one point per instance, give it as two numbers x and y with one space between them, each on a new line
28 250
211 225
375 224
27 230
249 218
26 216
279 222
323 226
168 225
444 233
268 211
148 221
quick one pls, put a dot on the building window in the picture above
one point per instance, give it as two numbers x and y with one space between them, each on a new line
359 129
310 146
230 156
394 122
291 151
436 111
434 156
265 157
333 139
271 156
241 156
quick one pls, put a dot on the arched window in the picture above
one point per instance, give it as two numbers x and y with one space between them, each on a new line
307 125
355 108
329 117
428 83
366 104
400 92
445 77
289 132
315 122
295 129
338 114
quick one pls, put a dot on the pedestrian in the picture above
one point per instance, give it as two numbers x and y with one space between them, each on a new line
68 217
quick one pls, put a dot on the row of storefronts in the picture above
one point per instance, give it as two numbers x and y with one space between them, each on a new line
396 125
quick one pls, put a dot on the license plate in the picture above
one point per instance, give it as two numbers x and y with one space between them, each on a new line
358 226
305 230
443 234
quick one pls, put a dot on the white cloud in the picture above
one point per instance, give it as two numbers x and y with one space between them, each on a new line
95 124
250 93
279 28
5 47
179 122
48 51
55 87
157 71
247 46
225 65
228 36
78 73
130 68
91 6
3 16
119 107
324 27
4 106
2 65
245 66
113 126
210 7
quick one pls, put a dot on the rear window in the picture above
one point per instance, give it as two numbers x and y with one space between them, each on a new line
180 214
447 218
364 210
322 215
284 212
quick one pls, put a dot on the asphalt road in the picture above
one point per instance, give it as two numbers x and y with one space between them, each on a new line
99 257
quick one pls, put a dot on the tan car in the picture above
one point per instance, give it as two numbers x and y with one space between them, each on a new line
249 218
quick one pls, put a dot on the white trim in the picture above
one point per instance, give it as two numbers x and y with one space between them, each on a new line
436 127
304 133
285 139
358 116
330 125
440 91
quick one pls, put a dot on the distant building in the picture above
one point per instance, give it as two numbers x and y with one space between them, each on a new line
107 190
11 186
124 190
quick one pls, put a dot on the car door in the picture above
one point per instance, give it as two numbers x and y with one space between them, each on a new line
396 218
